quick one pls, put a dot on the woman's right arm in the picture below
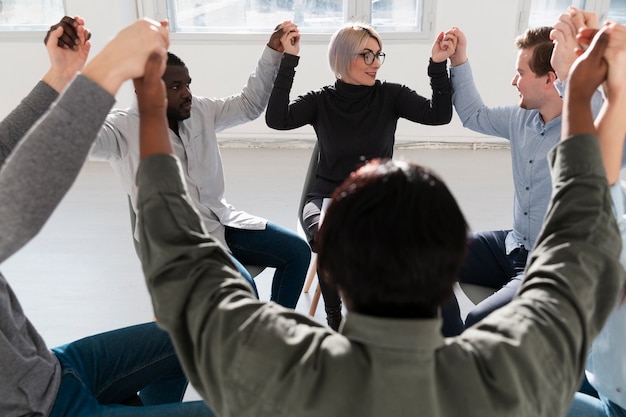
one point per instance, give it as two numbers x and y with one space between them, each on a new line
280 113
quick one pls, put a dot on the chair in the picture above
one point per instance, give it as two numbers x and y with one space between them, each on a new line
308 182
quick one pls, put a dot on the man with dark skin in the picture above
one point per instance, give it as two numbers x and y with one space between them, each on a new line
193 124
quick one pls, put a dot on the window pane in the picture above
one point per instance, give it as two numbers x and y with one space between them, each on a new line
617 11
241 16
545 13
397 15
30 14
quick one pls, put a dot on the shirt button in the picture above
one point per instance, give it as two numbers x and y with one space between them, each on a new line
527 188
525 213
530 162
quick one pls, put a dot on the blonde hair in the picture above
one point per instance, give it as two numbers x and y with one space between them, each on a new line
347 42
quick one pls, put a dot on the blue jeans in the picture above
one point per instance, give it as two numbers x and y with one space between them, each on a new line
585 405
588 403
102 372
278 248
486 264
244 272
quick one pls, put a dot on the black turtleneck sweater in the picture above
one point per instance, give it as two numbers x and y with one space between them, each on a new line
355 123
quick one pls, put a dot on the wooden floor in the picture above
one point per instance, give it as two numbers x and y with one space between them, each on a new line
80 275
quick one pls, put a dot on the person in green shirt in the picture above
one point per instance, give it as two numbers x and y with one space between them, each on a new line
251 358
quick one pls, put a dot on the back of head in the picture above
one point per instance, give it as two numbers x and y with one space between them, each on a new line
392 240
346 42
539 40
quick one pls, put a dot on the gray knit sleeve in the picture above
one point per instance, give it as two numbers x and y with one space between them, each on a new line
17 123
47 160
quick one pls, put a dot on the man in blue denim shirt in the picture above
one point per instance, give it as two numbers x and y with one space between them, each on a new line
497 259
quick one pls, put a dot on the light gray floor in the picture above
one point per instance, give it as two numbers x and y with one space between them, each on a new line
80 275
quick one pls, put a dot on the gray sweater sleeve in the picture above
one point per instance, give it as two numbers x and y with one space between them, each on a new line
47 160
17 123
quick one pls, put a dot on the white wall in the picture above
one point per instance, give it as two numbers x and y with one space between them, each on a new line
221 68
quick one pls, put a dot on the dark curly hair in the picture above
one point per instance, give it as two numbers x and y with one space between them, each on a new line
392 240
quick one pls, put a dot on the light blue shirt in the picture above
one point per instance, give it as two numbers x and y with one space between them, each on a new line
530 141
606 364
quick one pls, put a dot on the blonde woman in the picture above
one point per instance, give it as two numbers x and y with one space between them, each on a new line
355 118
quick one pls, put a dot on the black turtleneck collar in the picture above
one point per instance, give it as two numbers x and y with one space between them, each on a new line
352 91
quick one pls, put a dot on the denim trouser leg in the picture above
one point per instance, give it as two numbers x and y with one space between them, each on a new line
586 406
488 264
245 273
278 248
102 371
589 406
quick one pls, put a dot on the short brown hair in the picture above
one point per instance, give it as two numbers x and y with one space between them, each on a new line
537 39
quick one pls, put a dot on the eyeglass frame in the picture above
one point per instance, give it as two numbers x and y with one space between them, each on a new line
378 55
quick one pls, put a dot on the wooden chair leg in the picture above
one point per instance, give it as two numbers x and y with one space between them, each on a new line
312 273
315 300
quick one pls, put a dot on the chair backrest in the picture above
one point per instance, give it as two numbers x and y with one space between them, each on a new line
308 180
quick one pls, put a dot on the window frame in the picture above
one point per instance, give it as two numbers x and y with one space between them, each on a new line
599 7
31 33
157 9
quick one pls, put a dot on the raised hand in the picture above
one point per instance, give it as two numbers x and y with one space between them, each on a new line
125 56
566 44
70 37
152 103
68 48
290 39
590 69
588 72
444 46
460 53
279 31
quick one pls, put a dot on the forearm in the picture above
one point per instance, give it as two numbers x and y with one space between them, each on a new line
441 99
577 117
46 163
277 112
154 137
256 93
470 108
190 277
611 127
17 123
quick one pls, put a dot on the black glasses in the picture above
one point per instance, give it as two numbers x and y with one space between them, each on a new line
369 56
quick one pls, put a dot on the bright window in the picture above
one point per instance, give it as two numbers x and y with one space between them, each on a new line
312 16
617 11
29 15
545 13
538 13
